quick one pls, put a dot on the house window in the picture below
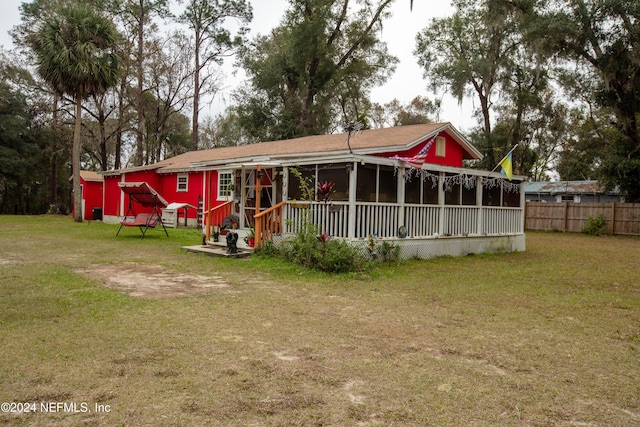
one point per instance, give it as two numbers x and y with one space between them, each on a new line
225 185
441 146
183 183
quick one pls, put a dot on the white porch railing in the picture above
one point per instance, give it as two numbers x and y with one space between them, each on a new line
332 219
384 219
377 219
422 220
502 220
460 220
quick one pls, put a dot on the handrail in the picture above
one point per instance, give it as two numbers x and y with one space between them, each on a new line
220 212
268 223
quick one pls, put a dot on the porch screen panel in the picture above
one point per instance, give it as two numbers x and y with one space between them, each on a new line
336 173
421 191
452 192
295 191
412 190
366 187
469 195
491 196
511 199
430 191
388 185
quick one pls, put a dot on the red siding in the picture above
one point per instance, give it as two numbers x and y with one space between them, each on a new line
111 196
113 193
165 184
150 177
168 188
92 196
453 153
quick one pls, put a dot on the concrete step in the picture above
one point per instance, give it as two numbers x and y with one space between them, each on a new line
218 250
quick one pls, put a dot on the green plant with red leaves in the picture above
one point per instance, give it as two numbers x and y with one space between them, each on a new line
324 190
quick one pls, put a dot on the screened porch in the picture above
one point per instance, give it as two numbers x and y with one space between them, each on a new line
391 201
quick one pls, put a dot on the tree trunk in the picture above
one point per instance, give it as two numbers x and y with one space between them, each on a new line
104 159
118 149
75 161
196 95
53 160
484 105
139 100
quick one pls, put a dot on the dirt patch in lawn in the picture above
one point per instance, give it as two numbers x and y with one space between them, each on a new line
151 281
9 260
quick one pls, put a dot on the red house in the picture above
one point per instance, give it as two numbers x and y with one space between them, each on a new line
91 185
404 183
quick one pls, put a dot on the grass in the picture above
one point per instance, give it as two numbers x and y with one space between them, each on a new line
550 336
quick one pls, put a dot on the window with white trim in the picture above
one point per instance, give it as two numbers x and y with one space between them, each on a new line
225 185
183 183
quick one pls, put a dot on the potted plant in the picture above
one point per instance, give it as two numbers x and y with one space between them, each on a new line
250 238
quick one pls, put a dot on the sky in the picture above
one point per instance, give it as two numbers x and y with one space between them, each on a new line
399 32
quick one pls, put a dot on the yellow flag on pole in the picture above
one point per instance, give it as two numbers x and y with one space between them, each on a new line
507 166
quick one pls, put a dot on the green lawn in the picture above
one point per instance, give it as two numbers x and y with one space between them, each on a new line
546 337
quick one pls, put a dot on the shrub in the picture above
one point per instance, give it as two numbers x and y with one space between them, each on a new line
331 256
388 252
338 256
595 226
312 250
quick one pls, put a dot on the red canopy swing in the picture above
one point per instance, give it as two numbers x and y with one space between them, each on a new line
147 197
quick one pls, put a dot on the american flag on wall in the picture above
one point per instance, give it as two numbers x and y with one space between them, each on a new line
420 157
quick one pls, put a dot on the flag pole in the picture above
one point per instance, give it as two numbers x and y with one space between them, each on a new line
500 162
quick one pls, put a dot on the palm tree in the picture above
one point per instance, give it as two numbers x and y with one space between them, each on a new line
75 53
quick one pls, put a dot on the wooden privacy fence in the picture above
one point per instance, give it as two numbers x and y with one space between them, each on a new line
620 218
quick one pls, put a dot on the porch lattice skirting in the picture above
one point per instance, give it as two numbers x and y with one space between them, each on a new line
424 248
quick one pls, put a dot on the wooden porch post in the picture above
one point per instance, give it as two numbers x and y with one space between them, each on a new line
258 189
353 182
257 225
